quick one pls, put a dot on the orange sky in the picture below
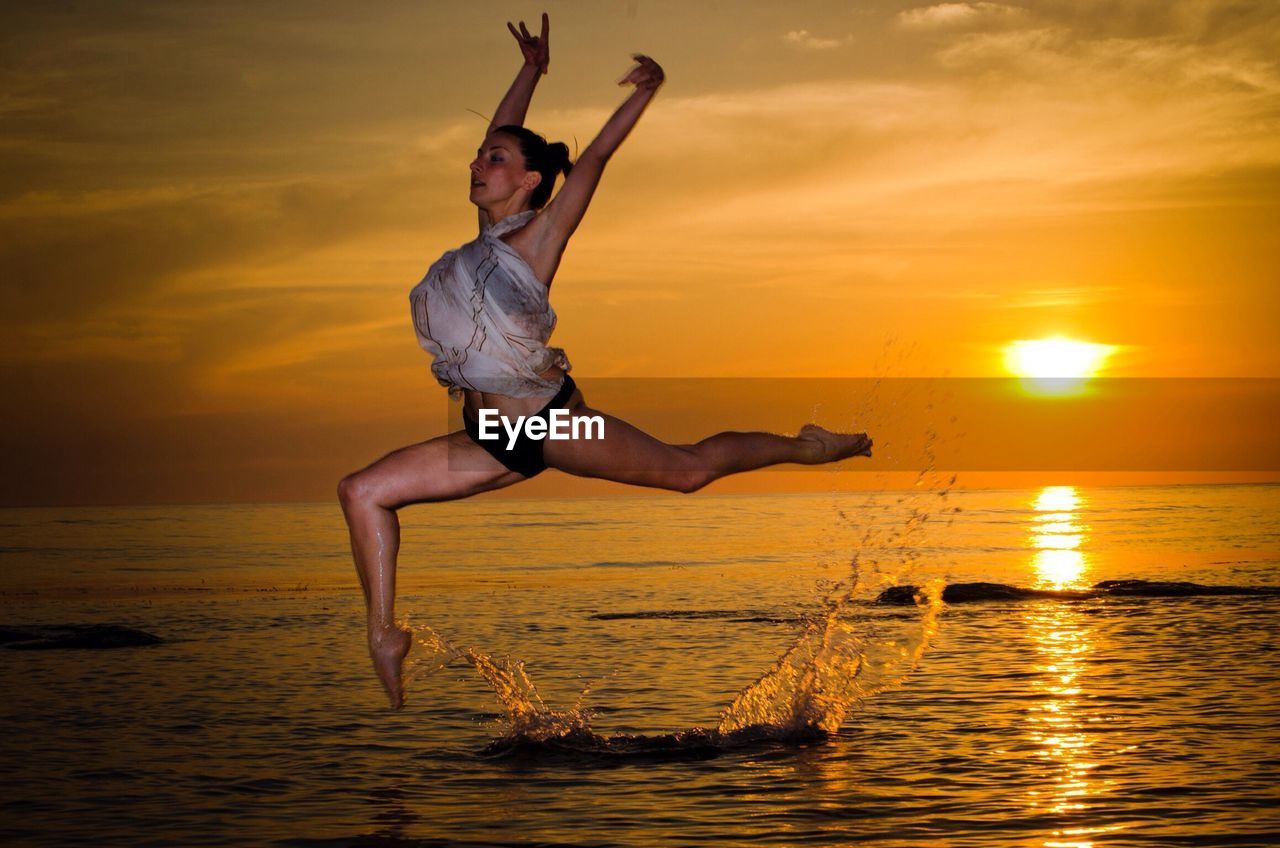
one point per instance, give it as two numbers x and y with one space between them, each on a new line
213 213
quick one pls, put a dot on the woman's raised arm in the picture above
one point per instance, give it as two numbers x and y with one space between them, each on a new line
537 56
565 211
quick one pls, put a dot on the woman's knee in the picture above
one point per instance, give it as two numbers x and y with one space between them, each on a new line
684 470
355 490
689 480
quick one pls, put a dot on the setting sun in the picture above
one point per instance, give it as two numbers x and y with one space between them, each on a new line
1055 364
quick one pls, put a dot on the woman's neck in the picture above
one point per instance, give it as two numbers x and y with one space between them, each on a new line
506 210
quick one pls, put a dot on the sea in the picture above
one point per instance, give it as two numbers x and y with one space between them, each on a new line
656 670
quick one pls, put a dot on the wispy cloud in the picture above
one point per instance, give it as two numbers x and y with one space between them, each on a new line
805 40
951 15
1067 296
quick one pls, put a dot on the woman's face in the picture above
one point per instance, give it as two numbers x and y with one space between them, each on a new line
498 170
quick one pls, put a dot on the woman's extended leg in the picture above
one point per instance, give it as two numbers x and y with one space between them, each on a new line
627 454
430 471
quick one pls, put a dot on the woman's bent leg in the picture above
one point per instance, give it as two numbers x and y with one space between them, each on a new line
416 474
627 454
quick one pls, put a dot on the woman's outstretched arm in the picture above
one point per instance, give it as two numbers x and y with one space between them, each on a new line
537 56
564 213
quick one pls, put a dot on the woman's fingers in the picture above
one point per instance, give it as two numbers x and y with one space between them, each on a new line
522 35
544 41
629 76
533 47
646 73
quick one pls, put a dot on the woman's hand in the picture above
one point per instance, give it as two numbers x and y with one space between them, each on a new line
537 52
647 75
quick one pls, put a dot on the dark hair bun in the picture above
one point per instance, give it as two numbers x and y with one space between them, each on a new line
558 153
547 159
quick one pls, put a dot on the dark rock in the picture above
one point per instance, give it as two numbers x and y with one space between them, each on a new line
1177 589
38 637
903 595
13 634
960 593
963 593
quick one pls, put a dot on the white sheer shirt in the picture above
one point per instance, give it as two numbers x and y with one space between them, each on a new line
485 318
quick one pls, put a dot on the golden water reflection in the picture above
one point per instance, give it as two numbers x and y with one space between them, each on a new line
1057 537
1058 723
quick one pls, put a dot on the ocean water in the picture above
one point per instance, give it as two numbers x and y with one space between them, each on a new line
705 670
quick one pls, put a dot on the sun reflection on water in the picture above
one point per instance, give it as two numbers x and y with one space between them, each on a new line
1057 723
1057 538
1059 720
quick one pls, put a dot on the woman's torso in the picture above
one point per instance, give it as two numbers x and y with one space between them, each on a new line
484 315
508 406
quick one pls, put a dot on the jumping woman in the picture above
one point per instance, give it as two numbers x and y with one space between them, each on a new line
482 312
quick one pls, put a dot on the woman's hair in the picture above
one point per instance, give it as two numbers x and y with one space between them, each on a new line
546 159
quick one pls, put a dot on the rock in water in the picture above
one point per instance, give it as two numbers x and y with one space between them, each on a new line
902 595
959 593
1177 589
38 637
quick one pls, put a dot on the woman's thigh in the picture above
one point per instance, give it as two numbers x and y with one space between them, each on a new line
441 469
626 454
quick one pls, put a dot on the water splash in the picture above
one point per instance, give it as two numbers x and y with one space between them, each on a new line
527 715
846 655
849 651
841 658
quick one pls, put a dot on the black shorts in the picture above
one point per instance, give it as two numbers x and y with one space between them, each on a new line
526 457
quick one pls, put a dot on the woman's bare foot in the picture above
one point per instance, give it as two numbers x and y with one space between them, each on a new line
829 446
388 647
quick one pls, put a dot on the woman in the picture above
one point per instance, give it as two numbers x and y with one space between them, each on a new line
482 312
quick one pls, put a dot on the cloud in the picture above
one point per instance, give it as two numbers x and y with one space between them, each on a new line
950 15
70 254
805 40
1163 69
1035 54
1080 114
1058 297
68 264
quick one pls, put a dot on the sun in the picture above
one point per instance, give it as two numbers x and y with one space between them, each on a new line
1057 364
